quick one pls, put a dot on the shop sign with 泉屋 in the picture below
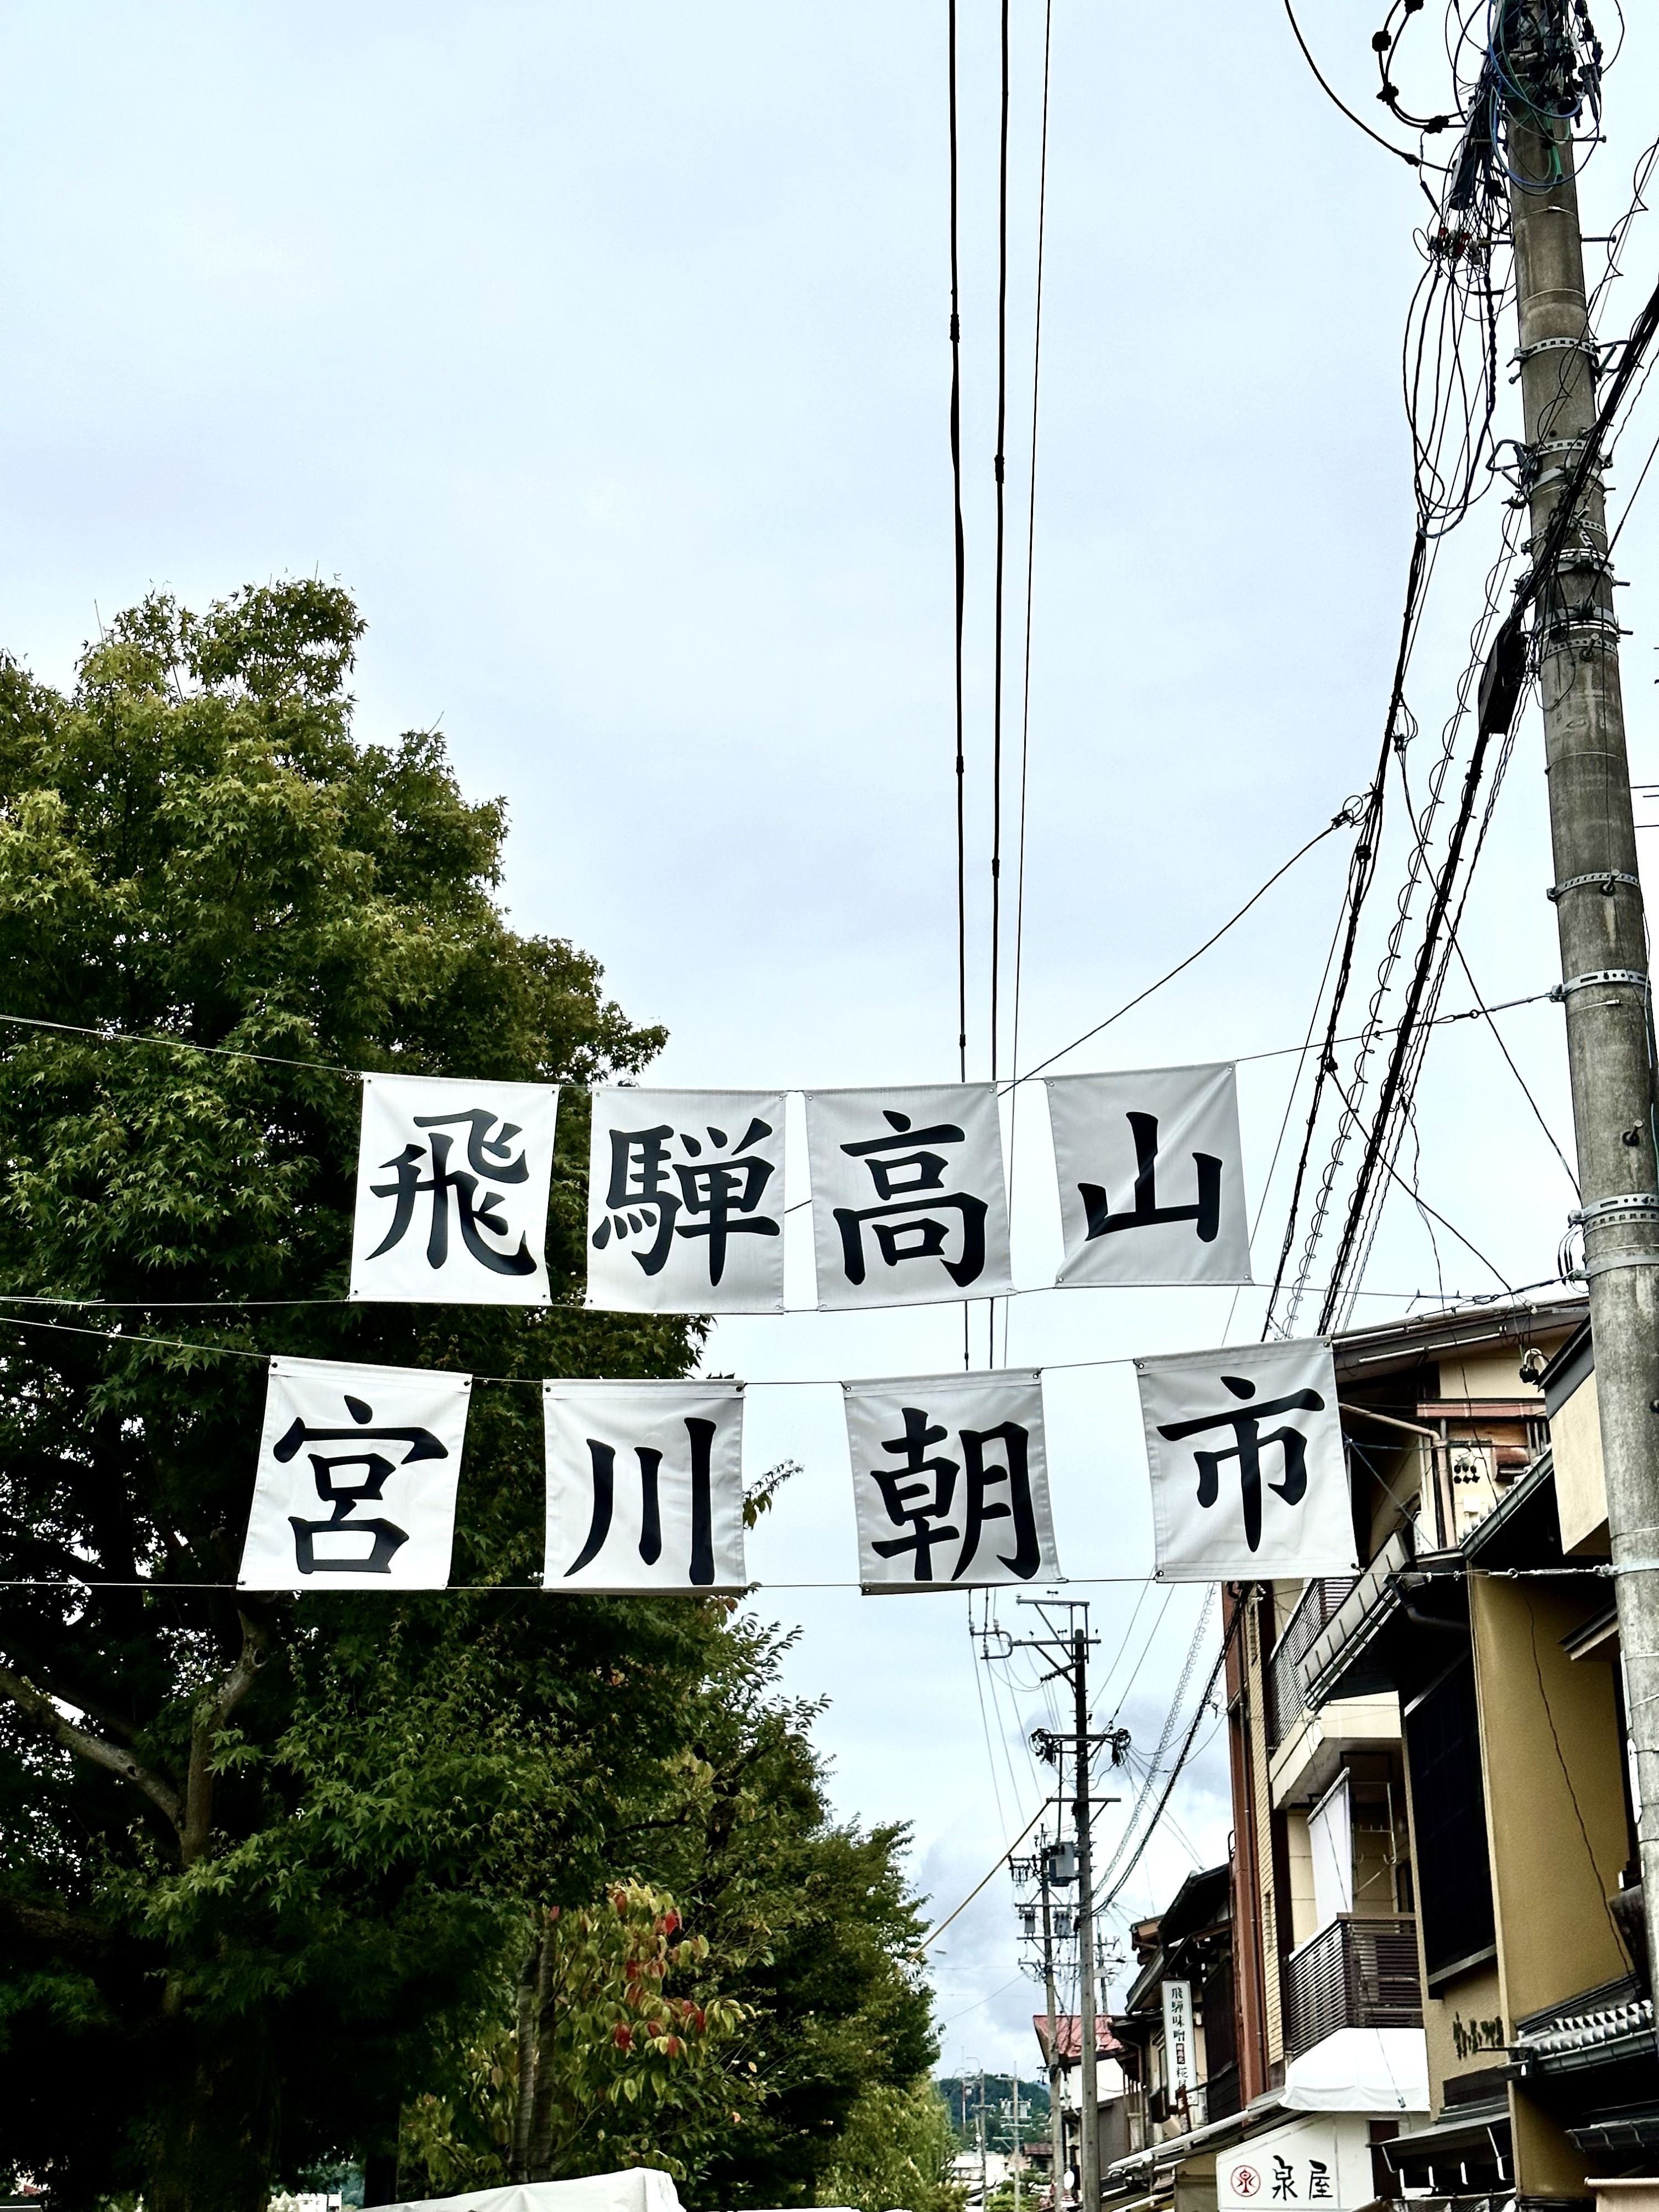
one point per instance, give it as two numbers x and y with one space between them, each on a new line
1324 2161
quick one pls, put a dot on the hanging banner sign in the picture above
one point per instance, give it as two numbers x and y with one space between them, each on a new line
644 1486
452 1191
1151 1180
1180 2060
355 1483
1244 1447
685 1201
909 1201
949 1481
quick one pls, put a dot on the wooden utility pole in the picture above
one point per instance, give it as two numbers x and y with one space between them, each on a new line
1605 987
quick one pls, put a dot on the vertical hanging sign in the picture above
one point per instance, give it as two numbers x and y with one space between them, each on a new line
452 1180
1180 2061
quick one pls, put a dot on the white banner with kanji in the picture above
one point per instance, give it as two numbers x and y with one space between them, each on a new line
453 1179
644 1486
1152 1176
949 1481
910 1204
1244 1447
355 1487
685 1201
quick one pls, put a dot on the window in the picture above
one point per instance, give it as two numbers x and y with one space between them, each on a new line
1448 1810
1330 1835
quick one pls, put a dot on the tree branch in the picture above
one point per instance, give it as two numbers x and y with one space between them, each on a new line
42 1713
207 1727
48 1675
62 1931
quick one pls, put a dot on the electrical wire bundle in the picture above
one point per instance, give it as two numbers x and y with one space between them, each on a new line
1546 61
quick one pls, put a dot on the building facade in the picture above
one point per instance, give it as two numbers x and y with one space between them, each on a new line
1440 1986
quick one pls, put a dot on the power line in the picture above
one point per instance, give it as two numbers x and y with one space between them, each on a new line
1030 573
999 470
1344 820
1412 160
961 559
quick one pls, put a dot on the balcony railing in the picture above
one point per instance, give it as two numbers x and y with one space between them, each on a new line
1354 1973
1314 1610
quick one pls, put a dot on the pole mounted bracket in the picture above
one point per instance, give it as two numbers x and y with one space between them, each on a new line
1598 979
1592 1268
1605 880
1584 345
1626 1205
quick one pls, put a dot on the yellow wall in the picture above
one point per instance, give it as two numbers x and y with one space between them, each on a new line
1555 1824
1581 1497
1555 1807
1490 1371
1298 1860
1465 2029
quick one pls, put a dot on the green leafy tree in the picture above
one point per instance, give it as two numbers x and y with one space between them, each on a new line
269 1866
896 2149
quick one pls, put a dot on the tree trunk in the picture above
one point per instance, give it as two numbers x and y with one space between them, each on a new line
530 1978
216 2139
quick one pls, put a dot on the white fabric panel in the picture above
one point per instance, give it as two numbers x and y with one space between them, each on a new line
1151 1177
355 1483
644 1485
910 1206
949 1481
639 2189
452 1191
685 1201
1330 1838
1244 1449
1361 2069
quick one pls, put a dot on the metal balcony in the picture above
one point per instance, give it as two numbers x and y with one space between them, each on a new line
1355 1974
1315 1610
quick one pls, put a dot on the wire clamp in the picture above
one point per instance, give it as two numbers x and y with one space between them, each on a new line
1598 978
1592 1268
1626 1205
1585 345
1605 880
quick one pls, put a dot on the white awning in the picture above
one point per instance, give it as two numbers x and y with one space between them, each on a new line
637 2188
1361 2069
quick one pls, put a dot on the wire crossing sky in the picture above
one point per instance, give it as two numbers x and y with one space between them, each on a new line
605 356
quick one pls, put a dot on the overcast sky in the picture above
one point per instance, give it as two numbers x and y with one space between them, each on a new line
602 353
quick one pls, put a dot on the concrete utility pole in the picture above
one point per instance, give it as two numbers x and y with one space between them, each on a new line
982 2138
1596 892
1068 1650
1056 2104
1089 2131
1016 2139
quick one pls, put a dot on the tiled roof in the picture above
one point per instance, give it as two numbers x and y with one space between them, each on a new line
1068 2038
1565 2031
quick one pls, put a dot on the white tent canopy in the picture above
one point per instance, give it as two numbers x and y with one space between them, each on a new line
1361 2069
639 2189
